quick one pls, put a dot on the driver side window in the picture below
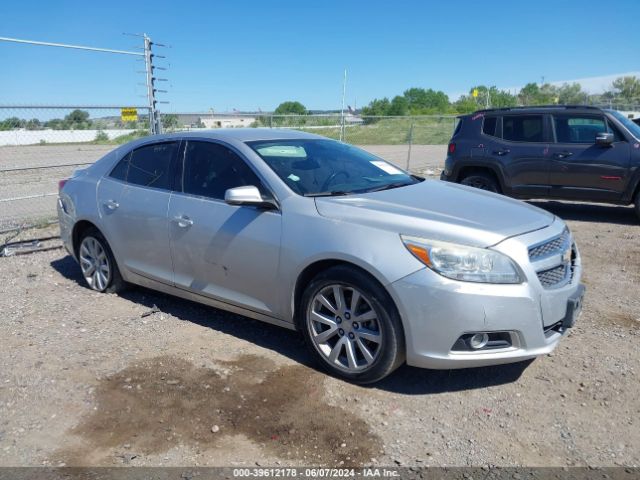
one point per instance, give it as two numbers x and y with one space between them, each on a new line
210 169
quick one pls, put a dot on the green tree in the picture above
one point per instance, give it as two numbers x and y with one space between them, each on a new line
533 94
11 123
421 101
626 89
377 107
291 108
399 106
169 121
572 94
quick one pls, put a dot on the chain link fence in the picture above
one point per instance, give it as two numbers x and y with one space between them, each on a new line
41 145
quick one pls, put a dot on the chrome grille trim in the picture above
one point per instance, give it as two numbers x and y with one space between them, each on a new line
549 258
548 248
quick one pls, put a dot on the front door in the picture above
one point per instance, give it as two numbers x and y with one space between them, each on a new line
581 169
229 253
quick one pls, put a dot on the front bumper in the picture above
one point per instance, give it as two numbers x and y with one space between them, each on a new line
437 311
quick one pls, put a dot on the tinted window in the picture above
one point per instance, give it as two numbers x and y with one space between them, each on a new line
578 129
489 126
525 128
149 165
211 169
121 169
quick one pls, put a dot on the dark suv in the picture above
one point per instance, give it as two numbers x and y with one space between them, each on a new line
561 152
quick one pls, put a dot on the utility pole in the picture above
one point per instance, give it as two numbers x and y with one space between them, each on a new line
155 123
344 92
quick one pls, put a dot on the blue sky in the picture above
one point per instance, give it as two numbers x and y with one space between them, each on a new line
254 54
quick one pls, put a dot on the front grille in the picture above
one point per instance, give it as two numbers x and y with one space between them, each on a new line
550 247
560 272
554 276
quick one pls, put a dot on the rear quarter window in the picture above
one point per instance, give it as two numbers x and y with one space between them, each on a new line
490 126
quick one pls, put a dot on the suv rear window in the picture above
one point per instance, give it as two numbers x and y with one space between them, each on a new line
523 128
489 126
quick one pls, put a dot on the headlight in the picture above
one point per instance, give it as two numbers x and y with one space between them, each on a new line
460 262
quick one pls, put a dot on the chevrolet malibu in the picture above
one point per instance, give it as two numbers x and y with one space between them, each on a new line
374 266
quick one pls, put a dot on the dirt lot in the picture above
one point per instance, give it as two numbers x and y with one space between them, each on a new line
89 379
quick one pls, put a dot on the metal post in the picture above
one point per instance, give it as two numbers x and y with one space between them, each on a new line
155 125
344 92
410 142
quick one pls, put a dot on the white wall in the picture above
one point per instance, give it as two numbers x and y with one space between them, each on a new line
31 137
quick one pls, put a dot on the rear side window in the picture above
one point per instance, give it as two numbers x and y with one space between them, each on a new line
149 165
489 126
120 170
578 129
211 169
523 128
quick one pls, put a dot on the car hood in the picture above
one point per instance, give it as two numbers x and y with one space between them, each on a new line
439 211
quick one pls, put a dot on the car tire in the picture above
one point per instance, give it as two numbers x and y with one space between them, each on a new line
97 263
482 181
351 325
637 204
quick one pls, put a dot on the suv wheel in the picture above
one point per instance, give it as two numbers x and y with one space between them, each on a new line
482 181
637 204
351 325
97 263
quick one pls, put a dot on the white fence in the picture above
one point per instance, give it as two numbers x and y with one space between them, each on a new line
34 137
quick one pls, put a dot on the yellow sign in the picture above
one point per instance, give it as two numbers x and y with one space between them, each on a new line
128 115
475 92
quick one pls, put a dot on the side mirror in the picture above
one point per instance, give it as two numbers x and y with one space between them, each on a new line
604 139
248 196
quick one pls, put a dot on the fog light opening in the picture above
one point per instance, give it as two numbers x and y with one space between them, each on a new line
478 341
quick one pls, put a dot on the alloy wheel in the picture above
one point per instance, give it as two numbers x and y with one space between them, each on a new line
344 328
94 263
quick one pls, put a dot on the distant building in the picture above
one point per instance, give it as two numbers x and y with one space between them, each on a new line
227 121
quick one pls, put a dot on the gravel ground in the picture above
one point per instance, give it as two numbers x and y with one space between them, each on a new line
96 379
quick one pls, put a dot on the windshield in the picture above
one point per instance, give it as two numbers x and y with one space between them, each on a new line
317 167
629 125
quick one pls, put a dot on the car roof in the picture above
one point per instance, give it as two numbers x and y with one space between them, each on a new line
541 109
239 134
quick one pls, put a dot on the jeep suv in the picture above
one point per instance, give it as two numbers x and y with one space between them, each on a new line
560 152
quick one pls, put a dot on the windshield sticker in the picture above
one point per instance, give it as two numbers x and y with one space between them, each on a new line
390 169
282 151
293 177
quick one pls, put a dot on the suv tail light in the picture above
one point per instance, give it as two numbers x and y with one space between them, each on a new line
452 148
61 184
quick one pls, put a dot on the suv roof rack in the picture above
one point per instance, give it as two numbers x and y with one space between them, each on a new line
539 107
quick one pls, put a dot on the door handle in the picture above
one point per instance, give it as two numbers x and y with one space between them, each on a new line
502 152
562 155
183 221
111 204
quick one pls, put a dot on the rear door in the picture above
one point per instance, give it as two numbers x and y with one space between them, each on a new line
581 169
226 252
523 153
133 202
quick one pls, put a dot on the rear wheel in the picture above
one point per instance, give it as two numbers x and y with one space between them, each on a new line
352 326
97 263
483 181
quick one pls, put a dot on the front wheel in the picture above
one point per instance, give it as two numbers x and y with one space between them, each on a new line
352 326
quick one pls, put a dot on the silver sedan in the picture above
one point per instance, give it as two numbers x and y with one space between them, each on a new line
374 266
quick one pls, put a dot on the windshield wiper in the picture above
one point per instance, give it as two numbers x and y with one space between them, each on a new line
389 186
333 193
